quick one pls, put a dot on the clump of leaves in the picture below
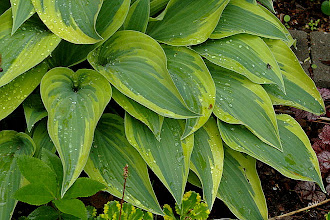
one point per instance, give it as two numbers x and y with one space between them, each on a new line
192 208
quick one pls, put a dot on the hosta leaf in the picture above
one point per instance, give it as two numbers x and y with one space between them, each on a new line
239 101
301 91
74 101
138 111
12 144
168 158
268 4
41 138
136 65
157 5
110 154
72 20
14 93
109 20
34 109
35 44
187 22
245 54
207 159
22 10
240 187
194 82
297 161
138 16
245 17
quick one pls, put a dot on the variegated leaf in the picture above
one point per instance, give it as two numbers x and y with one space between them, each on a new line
34 110
301 91
138 16
148 117
187 22
268 4
135 64
72 20
240 101
110 154
245 17
194 82
298 159
240 187
109 20
35 44
245 54
168 158
22 10
12 144
15 92
207 159
74 101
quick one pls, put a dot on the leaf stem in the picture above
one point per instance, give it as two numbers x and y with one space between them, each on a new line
122 198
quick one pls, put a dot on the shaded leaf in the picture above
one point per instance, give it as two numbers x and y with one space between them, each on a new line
41 138
268 4
34 110
43 213
138 16
22 10
73 207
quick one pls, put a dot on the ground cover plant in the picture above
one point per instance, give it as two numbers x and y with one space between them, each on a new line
197 81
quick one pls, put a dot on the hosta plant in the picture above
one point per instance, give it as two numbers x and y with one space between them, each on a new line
195 82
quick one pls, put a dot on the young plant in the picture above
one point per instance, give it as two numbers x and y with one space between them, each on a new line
196 81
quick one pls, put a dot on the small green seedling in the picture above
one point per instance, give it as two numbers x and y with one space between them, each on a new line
286 19
192 208
45 180
312 25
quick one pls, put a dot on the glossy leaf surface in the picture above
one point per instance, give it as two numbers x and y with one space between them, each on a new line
245 54
135 64
240 101
12 144
110 154
268 4
72 20
15 92
194 82
35 44
22 10
34 110
297 161
41 138
170 152
74 101
301 91
138 16
207 159
187 22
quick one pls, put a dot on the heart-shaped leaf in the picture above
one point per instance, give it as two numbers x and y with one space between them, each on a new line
12 144
135 64
35 44
169 152
74 101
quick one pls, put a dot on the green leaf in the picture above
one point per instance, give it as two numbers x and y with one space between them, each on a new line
71 20
245 17
135 64
301 91
240 187
298 159
207 159
240 101
194 82
168 158
110 154
41 138
169 215
38 172
187 22
157 5
138 16
54 162
83 187
245 54
35 44
268 4
109 20
34 194
12 144
73 207
22 10
43 213
15 92
74 101
138 111
192 207
34 109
